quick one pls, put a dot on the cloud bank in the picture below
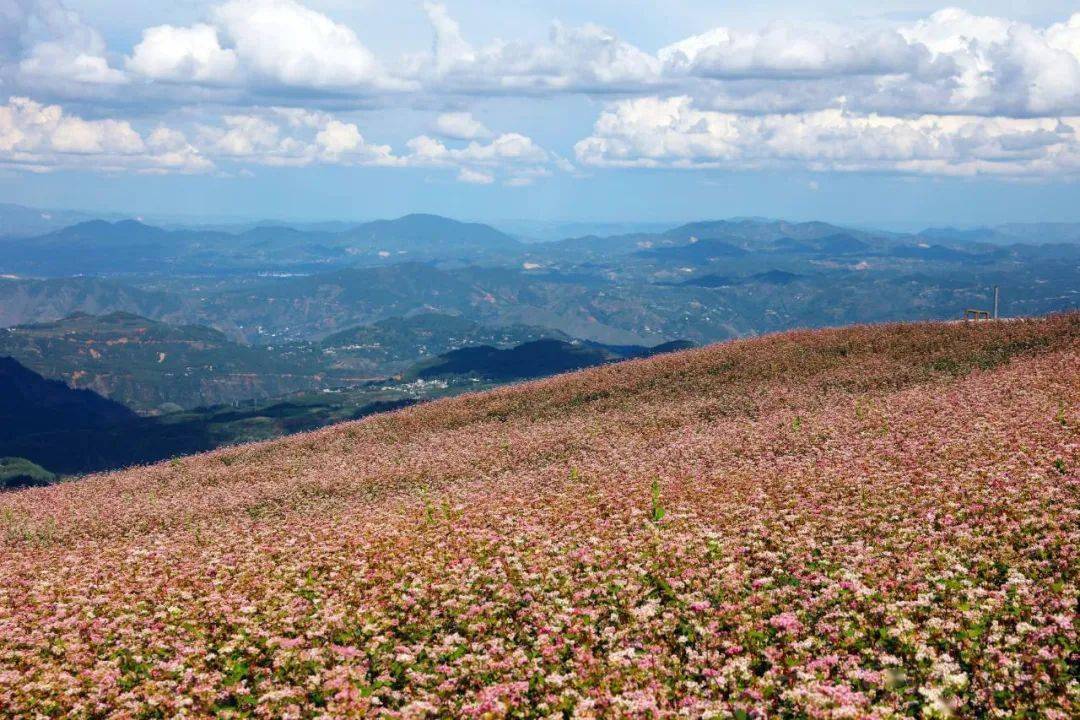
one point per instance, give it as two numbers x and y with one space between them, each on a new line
951 93
672 133
41 138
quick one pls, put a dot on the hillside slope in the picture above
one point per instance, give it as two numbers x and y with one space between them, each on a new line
30 403
870 522
146 364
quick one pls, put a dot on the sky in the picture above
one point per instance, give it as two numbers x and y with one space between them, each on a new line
588 110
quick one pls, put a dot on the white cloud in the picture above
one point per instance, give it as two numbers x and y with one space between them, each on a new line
284 41
460 126
39 137
524 177
577 59
475 177
297 138
1004 67
265 43
784 50
671 132
339 141
516 156
291 137
952 62
506 149
42 137
45 44
954 92
184 54
451 50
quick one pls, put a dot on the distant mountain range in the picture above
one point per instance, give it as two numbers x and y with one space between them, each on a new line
763 232
18 221
628 298
99 247
167 318
240 332
1009 234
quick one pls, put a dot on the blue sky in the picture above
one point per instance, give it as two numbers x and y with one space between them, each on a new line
905 113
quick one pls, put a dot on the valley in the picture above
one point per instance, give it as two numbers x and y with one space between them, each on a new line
220 336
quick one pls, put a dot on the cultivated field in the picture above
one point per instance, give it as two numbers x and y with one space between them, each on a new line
868 523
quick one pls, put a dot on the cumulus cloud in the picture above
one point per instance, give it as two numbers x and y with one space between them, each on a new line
460 126
265 42
952 62
516 155
576 59
508 147
43 43
953 92
292 137
671 132
284 41
784 50
475 177
41 137
184 54
1004 67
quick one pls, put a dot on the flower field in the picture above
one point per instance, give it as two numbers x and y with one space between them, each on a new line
872 522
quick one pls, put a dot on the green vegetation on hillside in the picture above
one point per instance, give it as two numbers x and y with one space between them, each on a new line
394 344
17 473
77 431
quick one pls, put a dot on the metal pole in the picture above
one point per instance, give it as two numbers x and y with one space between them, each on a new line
997 294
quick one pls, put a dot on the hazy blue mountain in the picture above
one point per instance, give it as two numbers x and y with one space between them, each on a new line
698 251
98 247
596 247
769 277
19 221
418 233
1008 234
935 253
758 231
535 231
838 244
